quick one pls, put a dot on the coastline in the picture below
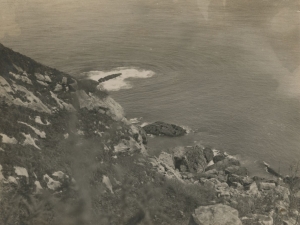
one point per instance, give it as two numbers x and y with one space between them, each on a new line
67 147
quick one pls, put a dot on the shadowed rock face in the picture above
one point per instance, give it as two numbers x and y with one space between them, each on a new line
208 153
165 129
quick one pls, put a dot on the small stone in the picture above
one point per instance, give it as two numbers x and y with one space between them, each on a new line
183 168
281 208
238 170
107 182
210 163
253 190
64 80
266 186
38 187
51 184
20 171
60 175
12 180
57 88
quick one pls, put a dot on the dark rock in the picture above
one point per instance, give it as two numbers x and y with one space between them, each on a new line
180 160
256 178
294 182
204 175
222 165
161 128
271 170
144 135
232 178
189 159
196 161
109 77
218 158
209 154
222 178
247 181
238 170
87 85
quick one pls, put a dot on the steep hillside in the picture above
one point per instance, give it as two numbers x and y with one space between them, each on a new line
69 156
54 128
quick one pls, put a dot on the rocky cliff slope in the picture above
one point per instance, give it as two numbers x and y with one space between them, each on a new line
69 156
53 128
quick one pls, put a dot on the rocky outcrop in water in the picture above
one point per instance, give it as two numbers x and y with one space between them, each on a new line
260 201
109 77
165 129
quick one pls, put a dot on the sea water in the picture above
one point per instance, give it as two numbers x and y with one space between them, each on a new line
227 70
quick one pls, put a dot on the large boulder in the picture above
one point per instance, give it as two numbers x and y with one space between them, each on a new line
180 159
161 128
253 190
189 159
233 179
165 165
266 186
218 157
218 214
209 154
238 170
196 160
222 165
166 159
283 192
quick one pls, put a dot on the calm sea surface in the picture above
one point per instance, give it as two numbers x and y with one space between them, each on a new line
227 70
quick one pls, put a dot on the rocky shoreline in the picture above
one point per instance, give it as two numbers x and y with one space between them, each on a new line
68 155
224 174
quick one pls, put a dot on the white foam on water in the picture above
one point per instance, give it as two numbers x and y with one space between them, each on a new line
135 120
119 82
187 129
144 124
